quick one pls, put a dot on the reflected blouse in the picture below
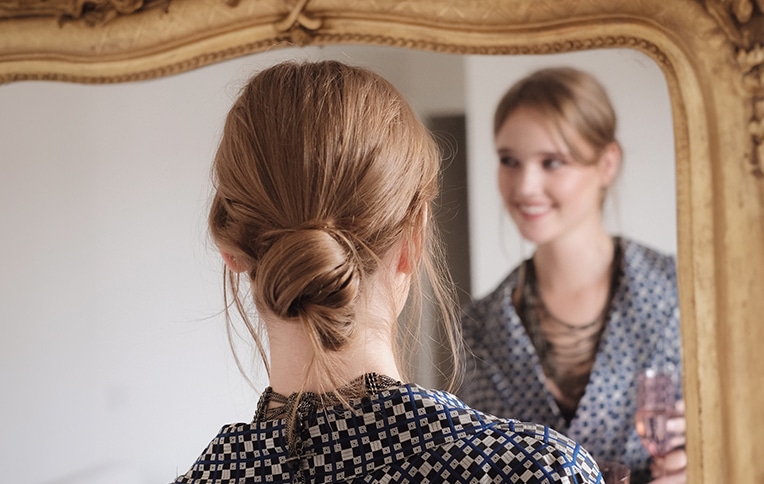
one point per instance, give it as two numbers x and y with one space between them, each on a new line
505 376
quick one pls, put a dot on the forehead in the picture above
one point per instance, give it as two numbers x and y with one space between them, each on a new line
530 129
527 126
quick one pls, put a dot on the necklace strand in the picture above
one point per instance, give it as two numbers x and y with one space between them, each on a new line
362 386
567 356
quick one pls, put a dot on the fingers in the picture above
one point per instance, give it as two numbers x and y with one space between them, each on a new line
679 407
680 478
673 468
676 427
674 461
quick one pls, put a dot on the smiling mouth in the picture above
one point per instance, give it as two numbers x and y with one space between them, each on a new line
533 210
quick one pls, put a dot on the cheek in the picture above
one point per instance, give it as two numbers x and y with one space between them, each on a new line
583 191
504 180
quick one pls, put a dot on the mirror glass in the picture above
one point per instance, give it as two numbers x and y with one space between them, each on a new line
116 366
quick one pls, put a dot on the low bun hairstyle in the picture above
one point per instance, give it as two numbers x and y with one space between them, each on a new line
321 170
311 274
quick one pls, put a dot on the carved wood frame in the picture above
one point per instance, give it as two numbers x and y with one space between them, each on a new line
709 51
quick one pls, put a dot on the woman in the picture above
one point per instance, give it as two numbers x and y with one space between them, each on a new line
312 212
561 340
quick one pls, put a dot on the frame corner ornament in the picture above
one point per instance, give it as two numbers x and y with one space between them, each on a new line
742 21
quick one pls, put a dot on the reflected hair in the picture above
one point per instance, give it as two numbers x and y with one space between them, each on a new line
322 169
564 95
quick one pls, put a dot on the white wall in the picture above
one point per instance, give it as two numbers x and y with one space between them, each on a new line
642 204
114 365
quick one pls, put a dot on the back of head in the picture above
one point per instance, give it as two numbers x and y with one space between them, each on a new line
565 96
321 170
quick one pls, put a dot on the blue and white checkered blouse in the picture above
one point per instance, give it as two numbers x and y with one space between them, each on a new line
404 434
505 377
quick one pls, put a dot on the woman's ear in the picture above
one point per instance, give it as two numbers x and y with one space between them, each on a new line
231 262
404 262
408 258
610 163
411 249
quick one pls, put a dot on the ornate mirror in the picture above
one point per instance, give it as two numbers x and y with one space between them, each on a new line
709 52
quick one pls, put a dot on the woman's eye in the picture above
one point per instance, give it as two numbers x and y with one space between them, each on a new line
553 163
509 161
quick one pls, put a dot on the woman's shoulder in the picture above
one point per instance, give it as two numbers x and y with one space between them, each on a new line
641 259
415 429
508 440
232 450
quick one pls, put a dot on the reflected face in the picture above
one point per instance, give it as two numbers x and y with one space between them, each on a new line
548 194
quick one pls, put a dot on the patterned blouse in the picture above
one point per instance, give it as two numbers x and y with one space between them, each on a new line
505 377
403 434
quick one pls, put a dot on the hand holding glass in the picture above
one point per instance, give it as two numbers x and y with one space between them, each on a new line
656 404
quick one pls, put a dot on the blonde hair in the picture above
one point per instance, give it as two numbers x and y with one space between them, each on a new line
565 96
322 169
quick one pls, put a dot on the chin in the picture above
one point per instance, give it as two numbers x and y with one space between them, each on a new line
532 230
535 237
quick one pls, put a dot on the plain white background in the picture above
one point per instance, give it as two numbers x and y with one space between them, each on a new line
115 366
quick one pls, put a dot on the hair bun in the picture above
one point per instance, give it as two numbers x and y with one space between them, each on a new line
312 275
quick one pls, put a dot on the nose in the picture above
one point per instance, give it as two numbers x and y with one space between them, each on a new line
528 180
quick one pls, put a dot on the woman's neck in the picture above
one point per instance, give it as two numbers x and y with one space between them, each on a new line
292 358
370 348
576 261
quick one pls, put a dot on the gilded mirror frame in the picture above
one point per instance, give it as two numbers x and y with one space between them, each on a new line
709 51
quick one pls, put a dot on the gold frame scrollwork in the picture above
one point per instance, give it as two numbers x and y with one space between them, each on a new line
742 22
711 52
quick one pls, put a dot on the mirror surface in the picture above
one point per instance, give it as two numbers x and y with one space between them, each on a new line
116 366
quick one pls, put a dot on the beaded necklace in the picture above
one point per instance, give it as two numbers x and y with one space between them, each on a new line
566 351
308 402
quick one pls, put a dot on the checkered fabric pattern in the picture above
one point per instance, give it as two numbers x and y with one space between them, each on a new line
404 434
505 377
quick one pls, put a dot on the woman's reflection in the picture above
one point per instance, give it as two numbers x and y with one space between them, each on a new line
562 338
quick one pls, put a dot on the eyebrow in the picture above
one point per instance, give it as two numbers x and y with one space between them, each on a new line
557 154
